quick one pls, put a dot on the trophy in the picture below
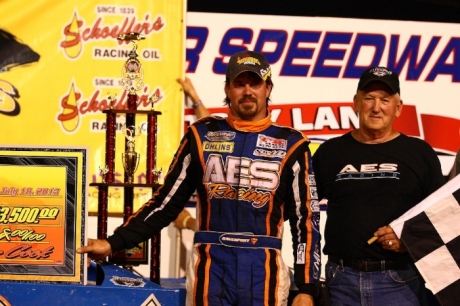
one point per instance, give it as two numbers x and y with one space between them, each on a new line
130 158
103 172
111 100
132 74
153 99
156 175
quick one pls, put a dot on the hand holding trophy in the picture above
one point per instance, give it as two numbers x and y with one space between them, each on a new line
130 157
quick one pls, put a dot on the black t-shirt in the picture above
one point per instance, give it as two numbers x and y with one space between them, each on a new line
370 185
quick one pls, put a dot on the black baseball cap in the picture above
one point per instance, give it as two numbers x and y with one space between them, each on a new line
248 61
380 74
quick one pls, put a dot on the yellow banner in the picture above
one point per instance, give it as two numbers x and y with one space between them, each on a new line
60 61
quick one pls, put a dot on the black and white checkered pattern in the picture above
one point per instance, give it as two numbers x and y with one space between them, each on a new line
431 233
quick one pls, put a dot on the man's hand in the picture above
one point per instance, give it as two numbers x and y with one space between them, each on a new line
388 239
96 249
185 221
303 299
182 219
188 88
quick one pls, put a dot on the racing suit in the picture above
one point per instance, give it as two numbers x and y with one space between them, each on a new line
250 177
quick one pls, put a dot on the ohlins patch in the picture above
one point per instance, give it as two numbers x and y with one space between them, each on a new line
218 146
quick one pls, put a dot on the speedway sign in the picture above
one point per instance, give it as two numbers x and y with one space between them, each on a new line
316 63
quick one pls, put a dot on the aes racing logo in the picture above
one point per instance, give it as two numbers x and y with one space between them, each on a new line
255 178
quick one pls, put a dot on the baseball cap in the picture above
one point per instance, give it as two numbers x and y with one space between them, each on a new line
379 74
248 61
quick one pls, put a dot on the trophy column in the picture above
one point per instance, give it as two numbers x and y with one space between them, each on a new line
132 81
107 173
152 176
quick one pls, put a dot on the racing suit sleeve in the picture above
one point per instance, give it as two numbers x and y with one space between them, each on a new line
303 214
166 203
318 175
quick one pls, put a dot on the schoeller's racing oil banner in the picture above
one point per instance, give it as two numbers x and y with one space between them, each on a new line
61 60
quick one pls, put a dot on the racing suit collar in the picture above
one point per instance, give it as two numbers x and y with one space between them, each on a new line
249 126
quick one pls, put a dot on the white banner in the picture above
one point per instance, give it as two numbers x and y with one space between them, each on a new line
316 63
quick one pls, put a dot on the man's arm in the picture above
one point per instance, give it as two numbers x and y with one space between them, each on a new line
304 221
166 204
198 105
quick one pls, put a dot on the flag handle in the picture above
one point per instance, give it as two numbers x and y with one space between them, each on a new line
372 240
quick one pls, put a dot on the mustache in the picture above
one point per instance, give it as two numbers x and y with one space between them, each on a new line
247 99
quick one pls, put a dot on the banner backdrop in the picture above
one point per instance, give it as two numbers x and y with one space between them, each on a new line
61 60
316 63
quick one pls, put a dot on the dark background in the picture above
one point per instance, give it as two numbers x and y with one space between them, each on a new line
416 10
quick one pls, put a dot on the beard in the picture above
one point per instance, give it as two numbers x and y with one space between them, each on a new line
247 110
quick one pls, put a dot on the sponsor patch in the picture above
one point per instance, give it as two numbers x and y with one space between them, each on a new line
249 60
368 175
314 205
127 281
269 153
218 146
317 261
380 71
256 197
232 239
313 193
267 142
265 73
220 135
300 258
311 179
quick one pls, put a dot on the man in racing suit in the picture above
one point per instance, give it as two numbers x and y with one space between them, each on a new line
250 175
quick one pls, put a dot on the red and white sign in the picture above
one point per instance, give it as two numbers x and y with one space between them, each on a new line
316 63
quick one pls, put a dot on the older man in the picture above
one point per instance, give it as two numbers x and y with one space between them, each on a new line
370 177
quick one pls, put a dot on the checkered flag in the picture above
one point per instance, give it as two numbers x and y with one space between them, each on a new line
431 234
